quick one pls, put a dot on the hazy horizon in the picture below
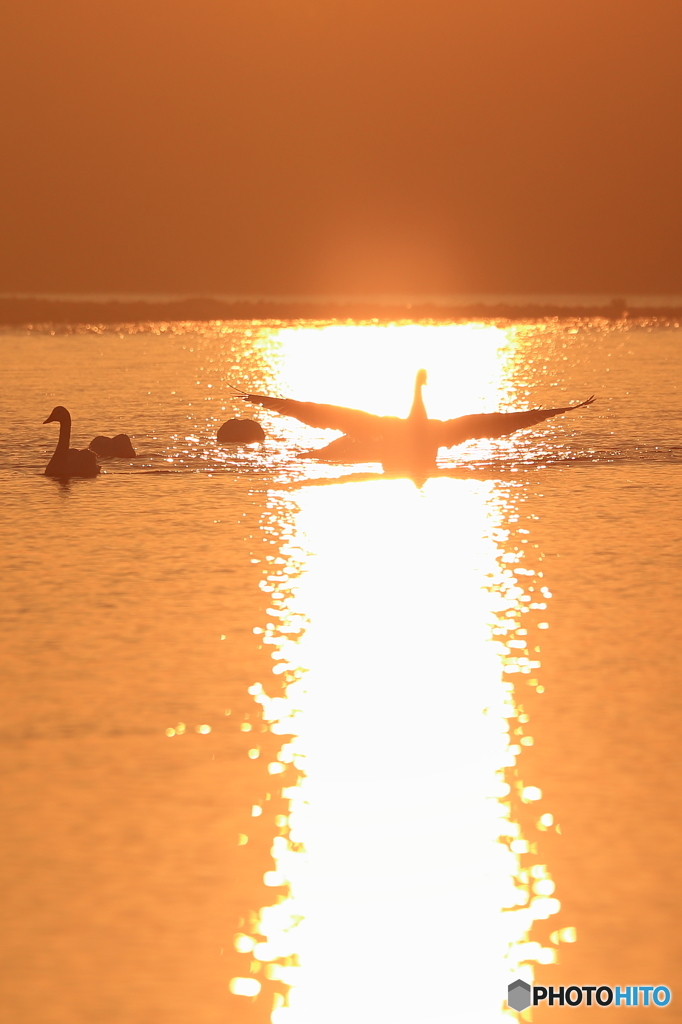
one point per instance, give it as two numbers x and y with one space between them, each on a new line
491 298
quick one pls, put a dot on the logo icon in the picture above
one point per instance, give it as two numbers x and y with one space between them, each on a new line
518 995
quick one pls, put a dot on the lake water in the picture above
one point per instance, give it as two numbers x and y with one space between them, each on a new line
297 743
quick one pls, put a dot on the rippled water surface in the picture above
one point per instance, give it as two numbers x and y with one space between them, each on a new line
302 743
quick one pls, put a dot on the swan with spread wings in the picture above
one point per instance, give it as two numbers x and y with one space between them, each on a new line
401 445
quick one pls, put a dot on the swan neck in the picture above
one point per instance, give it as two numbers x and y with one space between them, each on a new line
418 410
64 435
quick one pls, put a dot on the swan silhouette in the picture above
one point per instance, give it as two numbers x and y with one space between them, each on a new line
401 445
118 447
67 461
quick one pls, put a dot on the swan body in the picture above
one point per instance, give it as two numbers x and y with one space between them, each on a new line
240 432
67 461
118 447
401 445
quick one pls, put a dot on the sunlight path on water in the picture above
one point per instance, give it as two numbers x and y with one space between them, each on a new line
373 366
406 895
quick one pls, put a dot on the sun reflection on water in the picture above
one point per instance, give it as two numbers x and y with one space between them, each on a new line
406 881
406 869
376 364
373 366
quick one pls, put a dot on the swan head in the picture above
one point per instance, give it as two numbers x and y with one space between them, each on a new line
421 378
59 415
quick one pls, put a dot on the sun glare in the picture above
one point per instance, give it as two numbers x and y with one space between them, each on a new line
373 367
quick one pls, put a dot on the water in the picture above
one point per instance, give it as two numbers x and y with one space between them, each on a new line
295 742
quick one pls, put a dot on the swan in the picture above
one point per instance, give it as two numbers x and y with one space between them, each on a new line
68 461
400 444
240 432
118 447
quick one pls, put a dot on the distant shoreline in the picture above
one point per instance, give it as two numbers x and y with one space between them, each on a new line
16 312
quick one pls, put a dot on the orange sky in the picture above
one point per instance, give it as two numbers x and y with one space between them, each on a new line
341 146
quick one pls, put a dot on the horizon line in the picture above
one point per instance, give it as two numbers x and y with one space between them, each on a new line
566 299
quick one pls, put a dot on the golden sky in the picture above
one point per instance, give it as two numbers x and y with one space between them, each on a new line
341 146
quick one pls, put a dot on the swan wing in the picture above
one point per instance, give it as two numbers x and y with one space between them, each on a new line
354 422
493 424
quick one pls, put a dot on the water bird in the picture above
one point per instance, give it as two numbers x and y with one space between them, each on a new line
67 461
118 447
401 445
240 432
